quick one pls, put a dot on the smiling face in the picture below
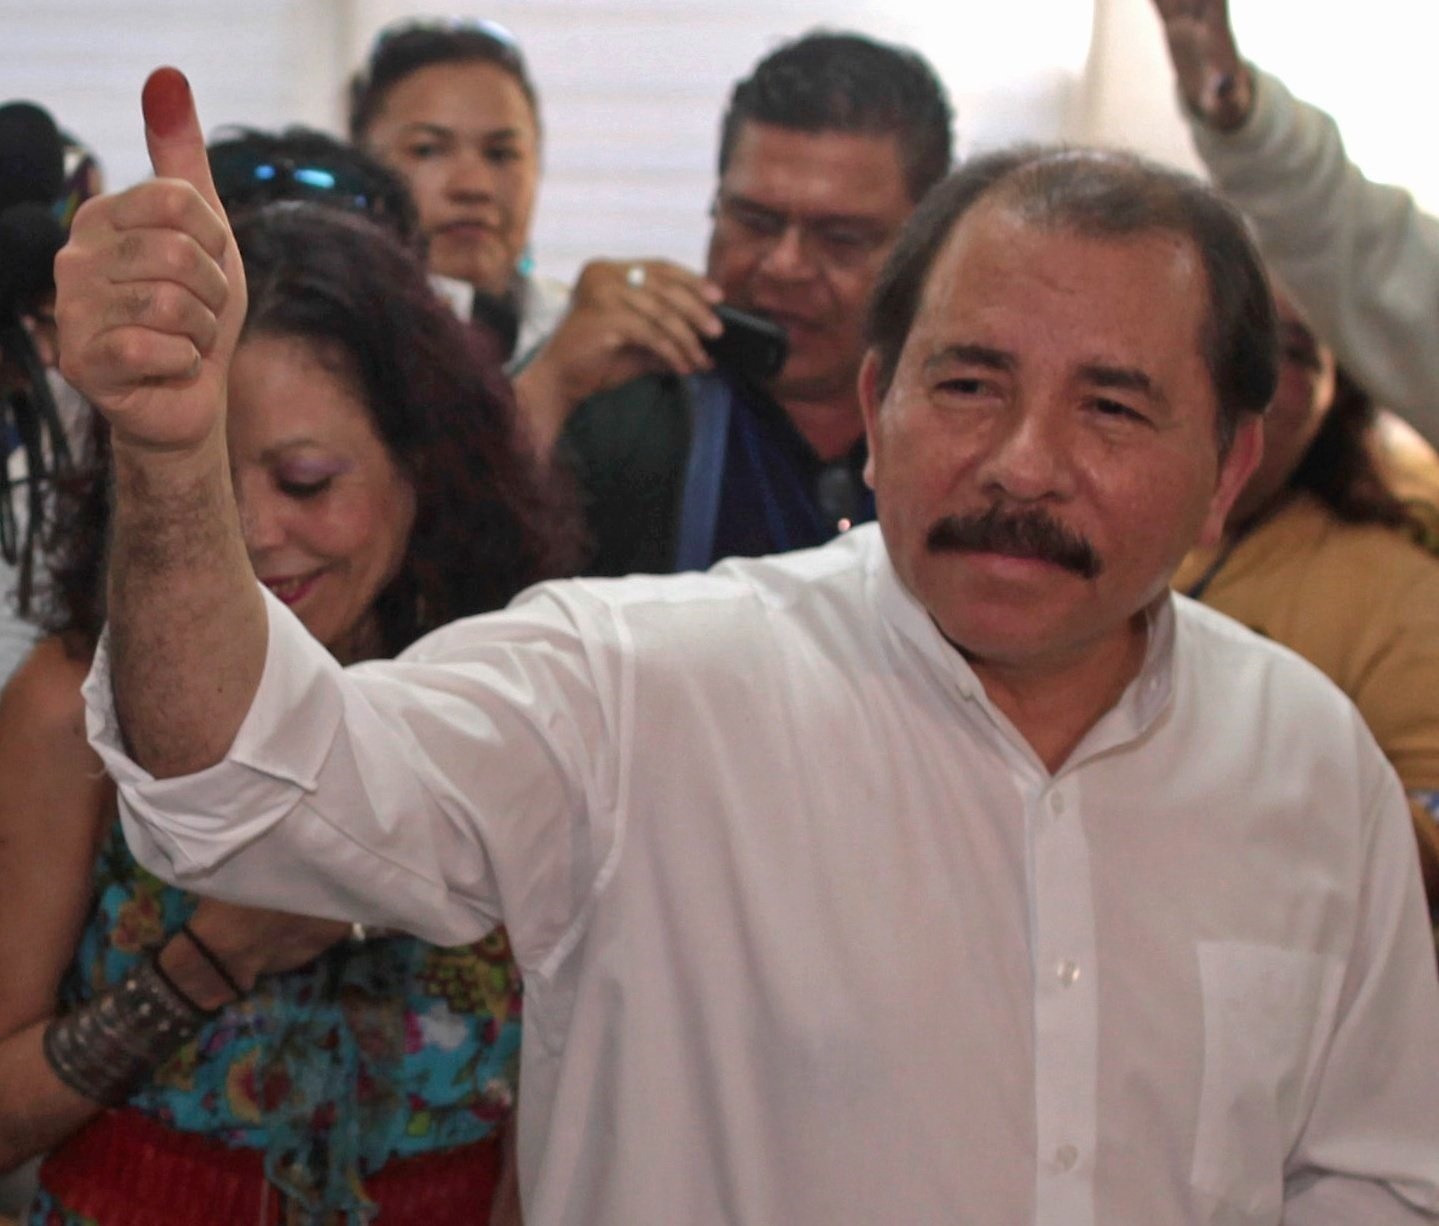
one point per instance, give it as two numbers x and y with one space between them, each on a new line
465 139
1051 399
802 224
325 510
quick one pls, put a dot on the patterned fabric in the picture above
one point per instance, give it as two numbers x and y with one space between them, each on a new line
388 1049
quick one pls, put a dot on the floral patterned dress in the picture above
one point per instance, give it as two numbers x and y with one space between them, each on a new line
388 1049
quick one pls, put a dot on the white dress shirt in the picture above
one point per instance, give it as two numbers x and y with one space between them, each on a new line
811 936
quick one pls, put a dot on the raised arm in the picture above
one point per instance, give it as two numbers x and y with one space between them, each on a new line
1215 82
1360 258
150 302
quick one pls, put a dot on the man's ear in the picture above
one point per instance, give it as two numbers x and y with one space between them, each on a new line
1235 469
869 402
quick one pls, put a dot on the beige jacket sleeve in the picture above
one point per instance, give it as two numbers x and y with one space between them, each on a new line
1360 258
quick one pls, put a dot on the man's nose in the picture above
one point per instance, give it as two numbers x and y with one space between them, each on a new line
788 255
1029 456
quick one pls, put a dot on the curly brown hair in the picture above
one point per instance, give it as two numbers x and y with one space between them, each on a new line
490 519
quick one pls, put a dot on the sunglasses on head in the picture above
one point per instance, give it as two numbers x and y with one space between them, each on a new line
245 177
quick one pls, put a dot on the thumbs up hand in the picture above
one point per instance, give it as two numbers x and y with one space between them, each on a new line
150 292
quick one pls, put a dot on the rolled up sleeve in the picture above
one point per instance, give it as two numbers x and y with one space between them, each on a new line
470 782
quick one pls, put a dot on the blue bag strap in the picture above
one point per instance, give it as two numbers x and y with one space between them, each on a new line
711 405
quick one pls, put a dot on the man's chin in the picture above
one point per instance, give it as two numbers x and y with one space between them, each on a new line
798 381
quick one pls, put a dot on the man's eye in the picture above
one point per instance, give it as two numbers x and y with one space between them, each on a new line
964 386
502 155
848 243
422 151
758 222
1117 409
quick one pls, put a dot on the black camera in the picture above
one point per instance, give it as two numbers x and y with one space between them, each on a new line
751 347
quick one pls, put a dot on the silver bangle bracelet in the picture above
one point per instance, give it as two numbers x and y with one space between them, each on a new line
108 1046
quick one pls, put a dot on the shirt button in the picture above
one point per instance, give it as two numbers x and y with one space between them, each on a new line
1065 1157
1067 973
1056 803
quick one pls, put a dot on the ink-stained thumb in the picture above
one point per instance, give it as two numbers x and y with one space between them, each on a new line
173 134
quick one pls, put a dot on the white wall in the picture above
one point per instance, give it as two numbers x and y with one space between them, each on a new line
632 89
1370 65
261 62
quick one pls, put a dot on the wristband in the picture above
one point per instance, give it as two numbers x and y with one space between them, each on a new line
110 1045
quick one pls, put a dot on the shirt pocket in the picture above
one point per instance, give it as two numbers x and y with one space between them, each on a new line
1263 1007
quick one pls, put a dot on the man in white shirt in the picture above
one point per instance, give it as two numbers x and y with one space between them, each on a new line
953 872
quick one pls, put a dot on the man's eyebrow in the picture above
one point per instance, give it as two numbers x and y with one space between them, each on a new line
439 131
425 127
972 355
807 219
1123 378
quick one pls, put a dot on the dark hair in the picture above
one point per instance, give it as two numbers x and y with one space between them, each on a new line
486 524
71 600
408 46
1108 195
487 521
252 169
45 175
840 82
1340 470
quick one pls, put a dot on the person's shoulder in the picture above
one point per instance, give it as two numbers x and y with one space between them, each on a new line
1219 652
545 299
658 392
609 430
1379 563
764 586
700 613
1230 676
543 302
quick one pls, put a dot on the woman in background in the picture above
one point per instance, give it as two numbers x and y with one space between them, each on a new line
451 108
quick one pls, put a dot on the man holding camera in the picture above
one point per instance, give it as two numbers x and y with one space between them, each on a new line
824 151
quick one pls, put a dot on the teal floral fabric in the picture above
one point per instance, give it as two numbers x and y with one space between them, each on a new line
379 1050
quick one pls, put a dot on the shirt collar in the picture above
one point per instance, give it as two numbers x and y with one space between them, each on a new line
917 637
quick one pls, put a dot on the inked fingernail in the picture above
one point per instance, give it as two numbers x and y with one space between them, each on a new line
165 100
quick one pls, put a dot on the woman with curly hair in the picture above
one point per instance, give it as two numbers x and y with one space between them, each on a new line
385 489
1321 554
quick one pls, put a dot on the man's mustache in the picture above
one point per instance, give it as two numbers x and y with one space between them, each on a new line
1023 534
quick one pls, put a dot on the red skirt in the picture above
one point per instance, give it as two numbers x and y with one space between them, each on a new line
124 1169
